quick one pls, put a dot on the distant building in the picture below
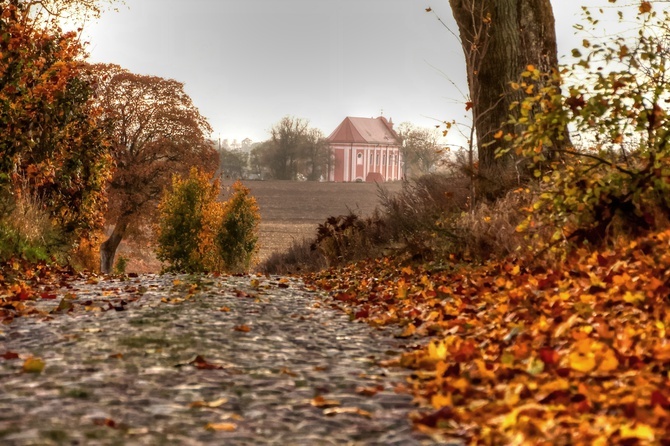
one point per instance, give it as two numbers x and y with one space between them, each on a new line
365 149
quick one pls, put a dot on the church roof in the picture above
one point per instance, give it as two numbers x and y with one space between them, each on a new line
366 131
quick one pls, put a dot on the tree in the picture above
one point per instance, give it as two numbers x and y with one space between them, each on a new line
52 144
501 39
293 149
420 149
315 154
156 132
232 163
284 152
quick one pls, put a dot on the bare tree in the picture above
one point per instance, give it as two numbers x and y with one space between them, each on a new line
284 151
420 149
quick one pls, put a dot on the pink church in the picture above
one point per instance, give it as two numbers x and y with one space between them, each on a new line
365 149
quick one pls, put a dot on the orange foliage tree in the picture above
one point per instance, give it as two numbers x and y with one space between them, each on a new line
157 131
52 145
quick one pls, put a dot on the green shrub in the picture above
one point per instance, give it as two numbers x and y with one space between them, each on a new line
236 235
121 265
196 233
185 218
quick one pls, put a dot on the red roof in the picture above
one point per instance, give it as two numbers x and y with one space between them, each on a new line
365 130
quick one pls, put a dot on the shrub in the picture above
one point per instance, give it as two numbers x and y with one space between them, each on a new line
348 237
196 233
187 215
301 257
121 265
236 235
619 181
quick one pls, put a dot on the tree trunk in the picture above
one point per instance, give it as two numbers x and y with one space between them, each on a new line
108 248
500 38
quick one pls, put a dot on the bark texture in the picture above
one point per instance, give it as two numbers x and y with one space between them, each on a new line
500 38
109 247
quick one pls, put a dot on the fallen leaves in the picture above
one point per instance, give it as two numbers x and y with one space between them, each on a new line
210 404
201 363
347 410
529 351
33 365
225 427
243 328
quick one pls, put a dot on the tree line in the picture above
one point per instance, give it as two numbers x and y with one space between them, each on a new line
296 151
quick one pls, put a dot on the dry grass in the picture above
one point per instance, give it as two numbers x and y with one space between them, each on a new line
290 213
490 230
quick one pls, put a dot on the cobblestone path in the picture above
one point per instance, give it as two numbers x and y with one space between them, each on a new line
180 360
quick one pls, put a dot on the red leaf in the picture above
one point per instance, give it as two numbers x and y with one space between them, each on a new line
658 399
9 355
549 356
202 364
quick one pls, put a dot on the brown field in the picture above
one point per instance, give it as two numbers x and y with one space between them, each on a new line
290 211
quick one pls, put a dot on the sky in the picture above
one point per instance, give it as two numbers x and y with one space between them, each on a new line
248 63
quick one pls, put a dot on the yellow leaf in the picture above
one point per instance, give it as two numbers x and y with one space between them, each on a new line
33 365
582 362
640 431
439 401
632 298
437 350
498 135
226 427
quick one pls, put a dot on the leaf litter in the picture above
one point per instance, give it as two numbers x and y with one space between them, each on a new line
528 351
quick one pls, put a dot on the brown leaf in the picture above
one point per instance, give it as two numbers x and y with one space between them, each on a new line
201 363
347 410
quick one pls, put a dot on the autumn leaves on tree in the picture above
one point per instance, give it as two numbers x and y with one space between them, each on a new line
155 132
85 145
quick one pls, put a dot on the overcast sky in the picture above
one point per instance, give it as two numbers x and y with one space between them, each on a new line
248 63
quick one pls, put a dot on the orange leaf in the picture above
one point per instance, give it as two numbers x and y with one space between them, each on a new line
225 427
242 328
33 365
320 401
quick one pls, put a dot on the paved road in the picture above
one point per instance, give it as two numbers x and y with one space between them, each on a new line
175 360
